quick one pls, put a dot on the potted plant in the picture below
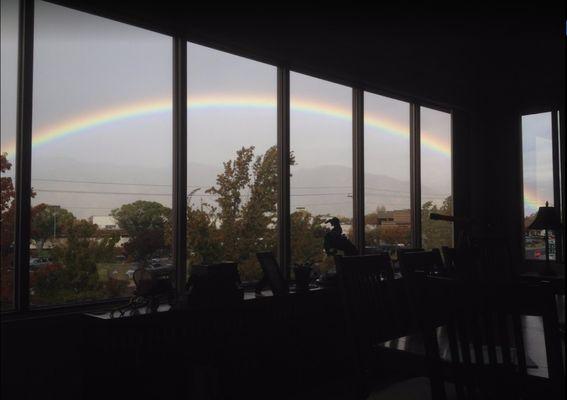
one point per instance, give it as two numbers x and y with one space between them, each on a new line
302 274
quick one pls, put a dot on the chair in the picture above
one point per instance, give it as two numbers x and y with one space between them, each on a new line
376 310
448 257
378 263
426 261
272 274
214 285
485 340
402 250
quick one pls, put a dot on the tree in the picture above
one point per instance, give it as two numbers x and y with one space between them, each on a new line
436 234
394 234
77 278
203 237
47 222
7 232
307 235
145 223
244 219
235 178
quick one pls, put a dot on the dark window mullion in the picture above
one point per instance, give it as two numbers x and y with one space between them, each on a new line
358 167
556 182
415 175
284 219
180 161
23 154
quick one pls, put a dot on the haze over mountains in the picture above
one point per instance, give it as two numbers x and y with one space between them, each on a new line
88 189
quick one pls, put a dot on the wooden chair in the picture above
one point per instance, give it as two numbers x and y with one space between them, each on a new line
485 340
401 250
376 310
448 257
426 261
272 274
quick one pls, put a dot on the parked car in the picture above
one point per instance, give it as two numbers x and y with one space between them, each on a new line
38 262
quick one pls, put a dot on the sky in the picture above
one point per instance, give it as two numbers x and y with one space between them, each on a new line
537 161
93 76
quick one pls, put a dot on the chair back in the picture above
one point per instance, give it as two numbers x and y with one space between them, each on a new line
448 257
376 305
403 250
214 285
485 339
273 273
425 261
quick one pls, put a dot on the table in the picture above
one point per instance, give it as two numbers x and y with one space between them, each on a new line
249 347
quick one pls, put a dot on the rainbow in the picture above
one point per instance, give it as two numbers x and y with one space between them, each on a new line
532 202
88 121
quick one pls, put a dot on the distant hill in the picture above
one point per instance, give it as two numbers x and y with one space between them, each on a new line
78 185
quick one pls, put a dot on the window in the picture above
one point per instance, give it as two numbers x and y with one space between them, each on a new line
321 165
231 159
436 177
102 161
538 177
102 145
9 65
386 173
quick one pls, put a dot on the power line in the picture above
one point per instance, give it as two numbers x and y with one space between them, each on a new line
93 192
367 188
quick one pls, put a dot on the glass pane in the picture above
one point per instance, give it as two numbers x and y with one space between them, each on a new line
386 173
8 84
231 159
537 154
436 174
101 163
321 171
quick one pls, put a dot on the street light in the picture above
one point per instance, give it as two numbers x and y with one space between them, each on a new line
54 213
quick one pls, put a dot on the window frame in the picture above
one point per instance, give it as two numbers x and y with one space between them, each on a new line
179 156
558 159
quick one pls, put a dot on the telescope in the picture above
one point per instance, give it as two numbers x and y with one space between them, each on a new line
450 218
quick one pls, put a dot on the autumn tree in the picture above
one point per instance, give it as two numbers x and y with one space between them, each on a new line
7 232
436 234
203 236
244 221
145 223
307 235
48 221
79 255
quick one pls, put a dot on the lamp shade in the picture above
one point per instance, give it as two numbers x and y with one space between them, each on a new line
546 218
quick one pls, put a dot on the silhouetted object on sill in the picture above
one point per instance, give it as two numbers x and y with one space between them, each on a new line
402 250
153 287
214 284
546 219
335 240
429 262
302 277
272 275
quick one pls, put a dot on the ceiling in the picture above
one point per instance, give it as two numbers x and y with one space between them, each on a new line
464 57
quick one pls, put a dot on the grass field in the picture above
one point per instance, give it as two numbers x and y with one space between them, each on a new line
114 270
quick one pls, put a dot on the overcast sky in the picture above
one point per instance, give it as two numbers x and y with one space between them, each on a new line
85 64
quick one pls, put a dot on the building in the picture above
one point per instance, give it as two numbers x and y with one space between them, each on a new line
105 222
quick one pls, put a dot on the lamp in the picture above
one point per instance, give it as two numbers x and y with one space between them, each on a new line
546 219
